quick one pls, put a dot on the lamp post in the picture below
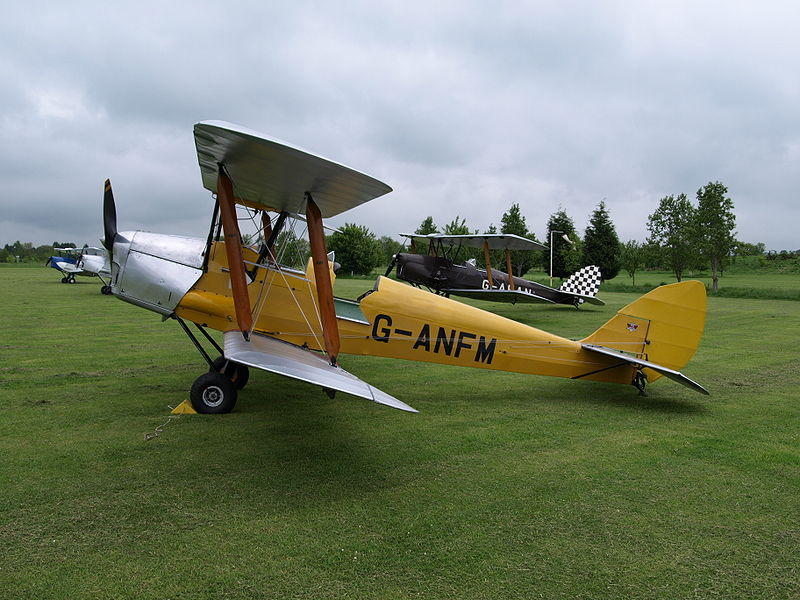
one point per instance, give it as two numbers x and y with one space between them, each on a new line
566 239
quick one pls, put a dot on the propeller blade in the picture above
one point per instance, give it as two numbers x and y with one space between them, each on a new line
109 217
391 266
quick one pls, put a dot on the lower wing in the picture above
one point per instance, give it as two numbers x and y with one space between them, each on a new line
512 296
276 356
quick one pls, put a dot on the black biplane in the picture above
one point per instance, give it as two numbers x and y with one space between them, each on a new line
442 272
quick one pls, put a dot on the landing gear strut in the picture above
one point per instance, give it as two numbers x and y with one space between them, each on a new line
238 374
215 392
640 382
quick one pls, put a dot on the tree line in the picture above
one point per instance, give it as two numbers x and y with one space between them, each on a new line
27 252
682 237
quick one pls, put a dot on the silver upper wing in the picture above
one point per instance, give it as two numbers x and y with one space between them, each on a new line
495 241
276 356
271 174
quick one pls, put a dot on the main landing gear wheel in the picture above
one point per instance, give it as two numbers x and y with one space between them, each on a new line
64 279
236 373
71 279
106 290
213 394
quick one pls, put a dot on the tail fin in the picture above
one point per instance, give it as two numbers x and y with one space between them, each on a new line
584 282
664 326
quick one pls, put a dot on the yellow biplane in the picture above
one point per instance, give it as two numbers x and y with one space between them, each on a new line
287 321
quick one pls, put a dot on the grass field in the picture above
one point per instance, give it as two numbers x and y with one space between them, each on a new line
503 486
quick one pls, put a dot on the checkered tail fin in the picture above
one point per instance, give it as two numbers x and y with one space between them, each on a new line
585 282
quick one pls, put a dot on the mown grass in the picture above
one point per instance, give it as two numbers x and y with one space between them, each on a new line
504 486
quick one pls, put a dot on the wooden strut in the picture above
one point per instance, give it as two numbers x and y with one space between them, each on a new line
488 260
266 230
233 249
508 268
322 276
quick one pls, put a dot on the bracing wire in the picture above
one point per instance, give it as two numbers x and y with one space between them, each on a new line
266 287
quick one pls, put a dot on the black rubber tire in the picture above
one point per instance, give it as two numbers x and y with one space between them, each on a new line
71 279
237 374
106 290
213 394
64 279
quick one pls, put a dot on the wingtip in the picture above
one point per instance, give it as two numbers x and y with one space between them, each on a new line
382 397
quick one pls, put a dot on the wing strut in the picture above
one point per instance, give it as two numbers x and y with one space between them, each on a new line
322 276
266 230
508 268
233 248
488 260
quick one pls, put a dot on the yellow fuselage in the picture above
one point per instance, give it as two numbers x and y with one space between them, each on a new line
393 320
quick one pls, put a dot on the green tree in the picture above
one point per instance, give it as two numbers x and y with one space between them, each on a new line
714 223
747 249
566 255
671 228
356 249
600 243
457 226
387 248
654 257
572 255
512 221
632 256
427 226
291 250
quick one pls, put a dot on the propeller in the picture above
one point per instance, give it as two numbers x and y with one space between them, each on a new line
391 265
109 218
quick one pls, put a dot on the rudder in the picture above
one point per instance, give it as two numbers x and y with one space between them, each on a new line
664 326
585 281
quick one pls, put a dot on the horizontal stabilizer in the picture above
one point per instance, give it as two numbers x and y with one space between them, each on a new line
666 372
590 299
276 356
512 296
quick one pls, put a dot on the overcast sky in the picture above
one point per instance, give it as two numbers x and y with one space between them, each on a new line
462 107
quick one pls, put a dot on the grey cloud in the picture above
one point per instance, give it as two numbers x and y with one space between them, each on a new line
462 108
